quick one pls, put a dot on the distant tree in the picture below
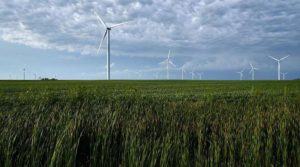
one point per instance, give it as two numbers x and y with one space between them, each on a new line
48 79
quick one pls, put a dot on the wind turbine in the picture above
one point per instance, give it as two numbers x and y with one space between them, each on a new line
200 75
278 62
241 74
182 72
24 73
193 74
283 75
107 33
252 71
168 62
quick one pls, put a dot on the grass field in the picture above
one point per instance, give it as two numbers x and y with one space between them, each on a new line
149 123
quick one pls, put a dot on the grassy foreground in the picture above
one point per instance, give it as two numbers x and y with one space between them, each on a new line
149 123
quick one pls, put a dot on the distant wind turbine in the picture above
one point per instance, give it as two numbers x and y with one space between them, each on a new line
168 62
182 72
241 74
278 63
107 33
24 73
252 71
193 74
200 75
283 75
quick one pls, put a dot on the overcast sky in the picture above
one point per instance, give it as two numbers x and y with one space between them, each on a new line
217 37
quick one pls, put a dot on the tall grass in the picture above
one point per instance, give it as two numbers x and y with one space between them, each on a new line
132 126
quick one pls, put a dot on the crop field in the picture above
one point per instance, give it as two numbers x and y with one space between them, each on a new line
149 123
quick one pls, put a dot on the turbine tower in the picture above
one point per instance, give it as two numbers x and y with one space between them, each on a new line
200 75
283 75
193 74
278 63
241 74
252 71
24 73
182 72
168 62
107 33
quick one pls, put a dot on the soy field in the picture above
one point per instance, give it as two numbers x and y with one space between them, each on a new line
149 123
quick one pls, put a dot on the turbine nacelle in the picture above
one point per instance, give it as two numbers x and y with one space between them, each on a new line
278 60
253 68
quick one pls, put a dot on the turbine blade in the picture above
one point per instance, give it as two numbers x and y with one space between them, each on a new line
101 42
100 20
170 61
163 62
273 58
284 57
251 65
117 25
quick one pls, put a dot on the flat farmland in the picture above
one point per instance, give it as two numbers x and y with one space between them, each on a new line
149 123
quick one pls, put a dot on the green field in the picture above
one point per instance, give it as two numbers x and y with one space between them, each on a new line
149 123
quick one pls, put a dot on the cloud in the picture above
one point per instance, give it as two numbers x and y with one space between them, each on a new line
223 32
22 35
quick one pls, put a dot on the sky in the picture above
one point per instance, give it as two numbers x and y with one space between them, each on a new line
55 38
